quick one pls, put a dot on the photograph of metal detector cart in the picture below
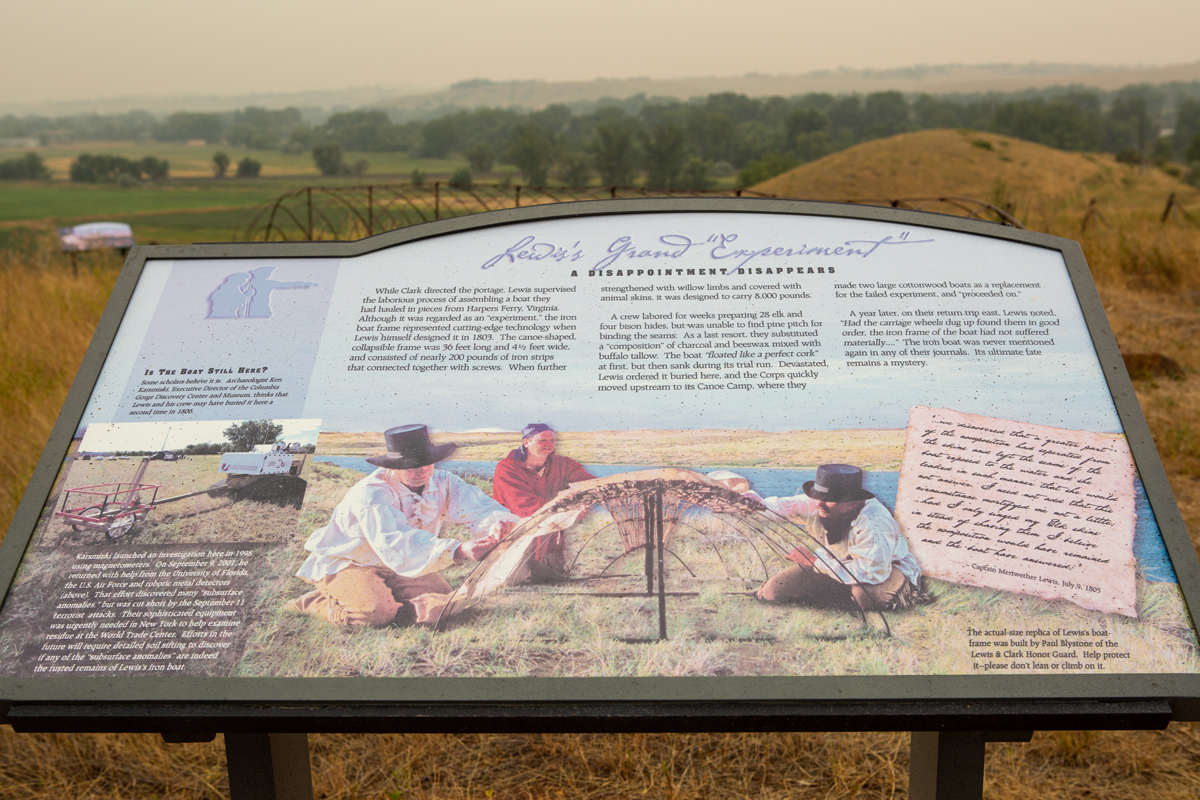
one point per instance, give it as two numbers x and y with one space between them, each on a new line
269 472
114 508
661 465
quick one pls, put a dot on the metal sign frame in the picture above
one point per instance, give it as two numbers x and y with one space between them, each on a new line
968 702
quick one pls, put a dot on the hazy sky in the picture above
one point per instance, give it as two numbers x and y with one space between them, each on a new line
71 49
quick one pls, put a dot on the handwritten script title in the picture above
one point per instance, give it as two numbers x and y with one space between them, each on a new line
726 248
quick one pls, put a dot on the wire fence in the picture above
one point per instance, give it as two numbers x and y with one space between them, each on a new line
317 213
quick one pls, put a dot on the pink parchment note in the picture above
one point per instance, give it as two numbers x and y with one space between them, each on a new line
1020 507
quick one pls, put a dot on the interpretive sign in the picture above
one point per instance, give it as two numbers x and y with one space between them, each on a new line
732 449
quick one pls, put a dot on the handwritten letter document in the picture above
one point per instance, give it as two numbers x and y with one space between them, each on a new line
1020 507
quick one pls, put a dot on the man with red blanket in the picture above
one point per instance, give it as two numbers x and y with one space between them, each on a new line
528 478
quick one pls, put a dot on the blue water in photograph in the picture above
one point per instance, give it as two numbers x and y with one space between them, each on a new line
1148 546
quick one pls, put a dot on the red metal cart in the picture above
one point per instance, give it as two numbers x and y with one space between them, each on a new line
109 507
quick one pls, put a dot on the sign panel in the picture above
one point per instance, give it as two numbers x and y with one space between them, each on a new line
689 446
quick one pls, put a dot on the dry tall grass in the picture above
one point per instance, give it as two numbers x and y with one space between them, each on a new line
47 315
1039 182
1098 765
1149 280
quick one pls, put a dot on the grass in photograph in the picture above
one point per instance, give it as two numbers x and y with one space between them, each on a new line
209 518
578 628
872 449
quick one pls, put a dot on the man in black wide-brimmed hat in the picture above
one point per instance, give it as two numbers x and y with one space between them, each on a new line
377 560
862 556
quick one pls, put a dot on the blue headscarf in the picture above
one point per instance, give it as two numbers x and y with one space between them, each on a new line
532 429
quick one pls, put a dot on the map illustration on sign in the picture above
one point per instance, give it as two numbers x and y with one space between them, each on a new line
248 294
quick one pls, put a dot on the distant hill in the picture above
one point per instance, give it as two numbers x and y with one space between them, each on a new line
418 101
937 79
319 101
983 166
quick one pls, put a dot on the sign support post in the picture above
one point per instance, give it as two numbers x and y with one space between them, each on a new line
946 765
268 766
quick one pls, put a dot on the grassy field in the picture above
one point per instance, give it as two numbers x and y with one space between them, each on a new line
1047 189
192 206
195 161
873 449
168 212
31 202
1148 278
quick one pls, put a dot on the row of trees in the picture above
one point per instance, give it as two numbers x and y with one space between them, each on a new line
241 437
28 167
246 168
869 116
254 128
685 145
330 160
104 168
88 168
677 144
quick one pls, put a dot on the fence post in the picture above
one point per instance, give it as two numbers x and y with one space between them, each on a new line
648 536
437 200
308 192
517 196
370 211
1093 215
661 547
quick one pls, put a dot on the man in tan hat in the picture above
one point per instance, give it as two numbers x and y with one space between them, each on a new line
859 553
377 560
